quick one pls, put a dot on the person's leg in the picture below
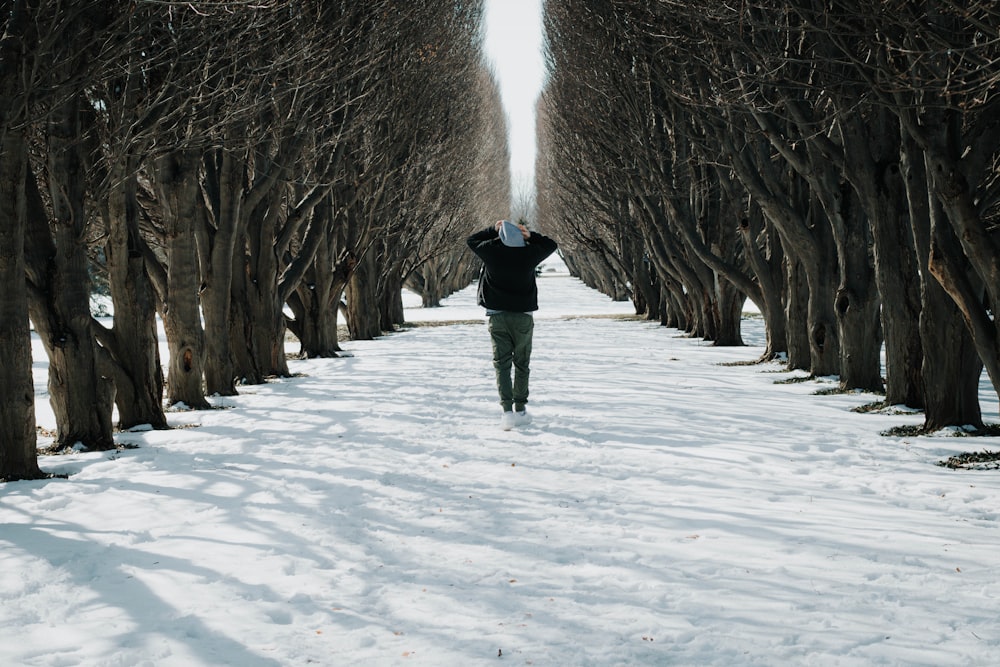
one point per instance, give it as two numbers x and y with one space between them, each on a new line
503 351
522 329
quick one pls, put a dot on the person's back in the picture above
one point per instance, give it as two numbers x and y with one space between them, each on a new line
508 291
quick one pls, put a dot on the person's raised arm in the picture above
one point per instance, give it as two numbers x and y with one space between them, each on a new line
487 234
544 244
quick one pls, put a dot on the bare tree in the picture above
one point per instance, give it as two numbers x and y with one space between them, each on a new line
934 66
477 192
460 185
18 457
424 145
222 171
61 216
809 127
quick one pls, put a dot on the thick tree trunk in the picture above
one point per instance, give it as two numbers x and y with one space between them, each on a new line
820 266
428 281
316 302
674 309
391 303
730 302
362 301
134 345
316 315
712 245
762 248
796 315
950 368
965 258
856 302
807 240
874 154
964 359
948 266
224 185
698 292
430 291
645 290
241 325
18 451
80 389
708 306
687 296
179 193
259 323
321 291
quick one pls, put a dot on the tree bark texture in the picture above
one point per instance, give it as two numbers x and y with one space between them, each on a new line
362 301
217 243
18 451
317 301
81 389
134 342
950 369
873 153
762 249
179 193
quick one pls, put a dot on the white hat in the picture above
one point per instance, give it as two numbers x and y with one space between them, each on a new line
511 235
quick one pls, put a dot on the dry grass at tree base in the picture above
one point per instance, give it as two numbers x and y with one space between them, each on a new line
984 460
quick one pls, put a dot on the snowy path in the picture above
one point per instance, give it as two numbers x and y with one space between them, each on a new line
661 510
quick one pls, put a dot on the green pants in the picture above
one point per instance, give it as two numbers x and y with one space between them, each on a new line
511 336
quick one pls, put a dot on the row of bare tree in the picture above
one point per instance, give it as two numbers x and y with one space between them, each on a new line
836 162
239 170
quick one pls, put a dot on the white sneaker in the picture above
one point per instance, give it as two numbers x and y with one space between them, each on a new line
522 418
507 421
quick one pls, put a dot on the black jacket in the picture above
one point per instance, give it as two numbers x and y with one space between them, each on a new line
508 279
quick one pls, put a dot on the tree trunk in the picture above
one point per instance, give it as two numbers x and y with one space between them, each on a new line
224 183
730 304
807 241
950 366
964 359
391 303
134 345
80 389
426 281
311 303
430 291
965 259
856 302
873 154
18 451
762 248
674 311
179 193
362 301
729 297
316 301
796 316
257 314
688 295
645 290
241 325
820 267
316 315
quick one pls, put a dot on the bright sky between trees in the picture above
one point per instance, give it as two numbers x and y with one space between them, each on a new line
514 46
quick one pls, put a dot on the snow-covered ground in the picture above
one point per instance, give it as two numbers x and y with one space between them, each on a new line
662 509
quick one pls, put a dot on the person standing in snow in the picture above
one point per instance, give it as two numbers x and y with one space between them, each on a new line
508 291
